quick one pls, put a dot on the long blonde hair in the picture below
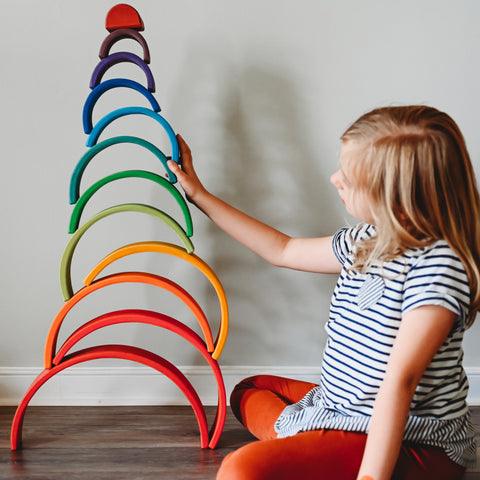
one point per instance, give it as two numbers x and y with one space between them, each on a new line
415 168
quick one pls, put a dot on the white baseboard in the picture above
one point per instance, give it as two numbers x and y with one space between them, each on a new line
143 386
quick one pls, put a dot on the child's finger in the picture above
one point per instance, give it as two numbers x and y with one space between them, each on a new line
173 166
182 144
186 153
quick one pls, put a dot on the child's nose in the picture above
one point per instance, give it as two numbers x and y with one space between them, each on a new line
335 179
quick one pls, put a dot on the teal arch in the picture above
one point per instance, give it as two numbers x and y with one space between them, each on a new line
66 261
80 205
91 152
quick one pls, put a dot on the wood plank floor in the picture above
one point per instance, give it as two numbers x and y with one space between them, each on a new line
106 443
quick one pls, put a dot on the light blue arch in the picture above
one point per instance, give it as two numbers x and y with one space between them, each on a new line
121 112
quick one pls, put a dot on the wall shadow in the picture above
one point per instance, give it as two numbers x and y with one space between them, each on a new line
245 125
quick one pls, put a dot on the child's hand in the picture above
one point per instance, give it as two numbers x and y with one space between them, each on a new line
186 174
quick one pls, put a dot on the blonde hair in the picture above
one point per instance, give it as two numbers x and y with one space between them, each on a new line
415 169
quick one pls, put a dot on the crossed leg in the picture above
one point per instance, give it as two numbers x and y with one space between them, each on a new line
320 454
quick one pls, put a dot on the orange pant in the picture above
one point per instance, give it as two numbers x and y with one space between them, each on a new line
321 454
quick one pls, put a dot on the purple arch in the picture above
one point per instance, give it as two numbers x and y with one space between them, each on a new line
119 57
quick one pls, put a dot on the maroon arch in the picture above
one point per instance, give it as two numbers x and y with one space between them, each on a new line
120 34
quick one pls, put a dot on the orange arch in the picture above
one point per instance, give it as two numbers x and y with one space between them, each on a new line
125 277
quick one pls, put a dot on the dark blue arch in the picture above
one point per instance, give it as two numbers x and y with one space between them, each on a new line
102 87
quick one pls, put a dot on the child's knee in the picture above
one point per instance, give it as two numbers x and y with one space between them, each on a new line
244 464
239 392
245 384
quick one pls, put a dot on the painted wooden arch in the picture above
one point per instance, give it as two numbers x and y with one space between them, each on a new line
81 203
103 87
120 34
123 16
119 278
121 112
87 157
120 57
66 261
165 322
124 352
163 247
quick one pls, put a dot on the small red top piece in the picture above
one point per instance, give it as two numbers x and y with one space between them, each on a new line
123 16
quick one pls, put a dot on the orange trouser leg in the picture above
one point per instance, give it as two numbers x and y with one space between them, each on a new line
329 455
258 401
423 462
319 454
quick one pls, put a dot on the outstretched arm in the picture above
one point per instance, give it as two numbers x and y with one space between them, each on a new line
422 332
308 254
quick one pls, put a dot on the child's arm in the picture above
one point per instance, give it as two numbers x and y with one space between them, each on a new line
421 334
309 254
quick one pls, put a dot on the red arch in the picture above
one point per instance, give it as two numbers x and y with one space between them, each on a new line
113 351
123 16
162 321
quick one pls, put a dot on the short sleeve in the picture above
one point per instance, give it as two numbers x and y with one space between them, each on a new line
438 278
344 240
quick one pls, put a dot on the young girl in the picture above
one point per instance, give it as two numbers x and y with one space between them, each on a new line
390 403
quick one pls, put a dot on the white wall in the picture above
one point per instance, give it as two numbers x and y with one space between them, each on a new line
261 90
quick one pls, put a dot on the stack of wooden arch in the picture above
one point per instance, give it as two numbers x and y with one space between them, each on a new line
123 21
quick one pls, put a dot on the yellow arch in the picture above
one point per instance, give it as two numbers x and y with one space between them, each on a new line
175 250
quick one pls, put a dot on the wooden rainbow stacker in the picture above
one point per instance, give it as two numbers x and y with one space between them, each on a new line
124 22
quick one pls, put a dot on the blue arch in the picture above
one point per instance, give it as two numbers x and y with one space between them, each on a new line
112 116
101 88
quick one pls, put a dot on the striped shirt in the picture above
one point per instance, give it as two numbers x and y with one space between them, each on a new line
365 315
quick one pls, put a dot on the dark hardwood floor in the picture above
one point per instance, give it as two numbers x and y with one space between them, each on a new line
117 443
106 443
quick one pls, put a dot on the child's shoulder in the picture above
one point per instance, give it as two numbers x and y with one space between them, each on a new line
437 259
359 232
438 250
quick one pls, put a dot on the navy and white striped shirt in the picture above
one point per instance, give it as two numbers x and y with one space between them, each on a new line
365 315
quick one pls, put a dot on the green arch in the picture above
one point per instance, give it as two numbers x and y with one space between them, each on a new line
66 262
80 205
91 152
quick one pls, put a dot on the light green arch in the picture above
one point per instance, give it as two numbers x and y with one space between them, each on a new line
66 261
